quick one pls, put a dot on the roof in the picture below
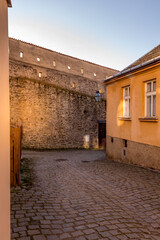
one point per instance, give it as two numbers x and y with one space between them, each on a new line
9 3
148 59
155 52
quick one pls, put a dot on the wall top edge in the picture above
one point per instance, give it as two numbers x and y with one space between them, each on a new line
46 49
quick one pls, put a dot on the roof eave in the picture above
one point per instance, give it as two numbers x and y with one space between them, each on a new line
134 69
9 3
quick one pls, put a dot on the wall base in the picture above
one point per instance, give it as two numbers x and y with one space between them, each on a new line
133 152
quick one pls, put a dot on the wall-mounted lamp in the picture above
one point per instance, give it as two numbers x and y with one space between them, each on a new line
97 96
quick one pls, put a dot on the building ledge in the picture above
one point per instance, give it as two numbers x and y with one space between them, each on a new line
125 118
148 119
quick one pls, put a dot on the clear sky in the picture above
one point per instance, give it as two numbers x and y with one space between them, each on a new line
112 33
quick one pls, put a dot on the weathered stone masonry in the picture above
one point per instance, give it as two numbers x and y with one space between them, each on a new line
57 108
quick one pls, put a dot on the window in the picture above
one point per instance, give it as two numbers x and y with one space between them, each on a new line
82 70
54 63
40 74
125 143
150 98
73 84
126 101
21 54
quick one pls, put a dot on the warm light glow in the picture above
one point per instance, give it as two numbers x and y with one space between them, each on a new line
158 90
4 126
54 63
73 84
40 74
119 114
95 142
21 54
86 140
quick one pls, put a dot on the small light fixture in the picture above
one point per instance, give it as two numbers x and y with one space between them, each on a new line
97 96
69 67
95 74
38 59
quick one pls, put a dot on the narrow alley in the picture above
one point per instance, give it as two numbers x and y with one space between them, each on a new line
77 194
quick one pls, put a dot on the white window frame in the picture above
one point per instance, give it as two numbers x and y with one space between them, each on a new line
126 97
149 94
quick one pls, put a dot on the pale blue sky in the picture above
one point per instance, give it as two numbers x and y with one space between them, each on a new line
111 33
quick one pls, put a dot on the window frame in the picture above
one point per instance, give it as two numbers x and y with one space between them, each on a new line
150 94
126 97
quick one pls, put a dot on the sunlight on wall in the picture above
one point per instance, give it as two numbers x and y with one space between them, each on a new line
119 114
158 90
95 143
4 126
86 141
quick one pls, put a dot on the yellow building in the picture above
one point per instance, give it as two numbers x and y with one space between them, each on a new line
4 124
133 112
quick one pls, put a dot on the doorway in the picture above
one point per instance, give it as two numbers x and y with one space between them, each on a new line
102 133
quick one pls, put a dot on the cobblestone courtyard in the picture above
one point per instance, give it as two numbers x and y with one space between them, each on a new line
79 195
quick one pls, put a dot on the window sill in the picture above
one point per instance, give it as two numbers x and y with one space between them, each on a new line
148 119
125 118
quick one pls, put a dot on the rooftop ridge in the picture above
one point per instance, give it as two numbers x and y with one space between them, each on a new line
140 58
134 68
62 54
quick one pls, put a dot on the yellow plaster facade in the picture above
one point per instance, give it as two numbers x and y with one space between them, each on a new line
135 129
141 133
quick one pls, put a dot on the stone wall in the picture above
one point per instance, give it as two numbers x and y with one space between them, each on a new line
41 57
57 108
54 117
132 152
57 78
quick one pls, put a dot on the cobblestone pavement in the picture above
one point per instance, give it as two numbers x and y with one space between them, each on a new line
80 195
